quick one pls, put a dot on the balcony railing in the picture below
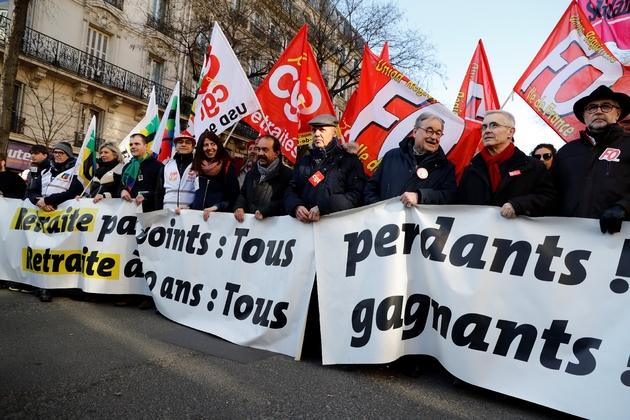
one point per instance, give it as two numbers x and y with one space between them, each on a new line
160 25
116 3
51 51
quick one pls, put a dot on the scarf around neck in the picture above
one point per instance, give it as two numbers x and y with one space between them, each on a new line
130 176
269 170
493 162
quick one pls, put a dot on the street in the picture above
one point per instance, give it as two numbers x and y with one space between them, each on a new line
77 359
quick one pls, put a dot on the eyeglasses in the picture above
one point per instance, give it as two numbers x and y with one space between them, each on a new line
591 109
430 132
544 156
492 126
58 152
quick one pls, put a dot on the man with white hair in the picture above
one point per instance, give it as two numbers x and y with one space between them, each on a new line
502 175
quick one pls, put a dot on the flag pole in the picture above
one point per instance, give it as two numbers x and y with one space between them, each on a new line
230 134
510 96
86 187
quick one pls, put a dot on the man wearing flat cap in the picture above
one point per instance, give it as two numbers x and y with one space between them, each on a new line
175 186
328 179
592 173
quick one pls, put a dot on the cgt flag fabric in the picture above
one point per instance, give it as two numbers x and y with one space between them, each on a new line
532 308
249 282
86 161
611 20
387 105
571 64
291 95
476 96
225 95
169 127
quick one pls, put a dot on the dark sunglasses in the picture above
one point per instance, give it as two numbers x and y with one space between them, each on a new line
544 156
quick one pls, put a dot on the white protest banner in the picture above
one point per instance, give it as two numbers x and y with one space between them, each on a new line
533 308
248 283
80 245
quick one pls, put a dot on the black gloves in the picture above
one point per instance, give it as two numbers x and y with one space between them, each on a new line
611 219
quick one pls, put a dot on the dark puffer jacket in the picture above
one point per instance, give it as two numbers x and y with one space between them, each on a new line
342 186
525 184
268 196
592 178
396 174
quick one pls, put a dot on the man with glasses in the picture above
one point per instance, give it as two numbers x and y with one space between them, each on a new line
55 185
592 173
417 171
501 175
176 179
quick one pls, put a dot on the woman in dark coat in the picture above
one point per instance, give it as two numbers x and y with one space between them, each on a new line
217 182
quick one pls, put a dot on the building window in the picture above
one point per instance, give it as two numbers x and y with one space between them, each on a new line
97 43
17 122
155 69
158 8
84 124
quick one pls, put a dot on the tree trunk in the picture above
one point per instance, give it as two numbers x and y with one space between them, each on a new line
9 71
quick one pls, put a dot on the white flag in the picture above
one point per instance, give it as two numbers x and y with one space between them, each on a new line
225 95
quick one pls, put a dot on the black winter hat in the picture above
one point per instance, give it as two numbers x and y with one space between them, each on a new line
602 92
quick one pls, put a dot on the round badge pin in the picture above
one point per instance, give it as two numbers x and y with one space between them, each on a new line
422 173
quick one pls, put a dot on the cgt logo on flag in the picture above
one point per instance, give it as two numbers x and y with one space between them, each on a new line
611 155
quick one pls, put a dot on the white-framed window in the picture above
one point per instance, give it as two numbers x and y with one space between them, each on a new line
155 70
97 43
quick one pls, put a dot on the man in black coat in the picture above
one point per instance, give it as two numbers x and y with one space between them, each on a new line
417 171
140 175
328 179
262 193
55 185
502 175
592 173
11 184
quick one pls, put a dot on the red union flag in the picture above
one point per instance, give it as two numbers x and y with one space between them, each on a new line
571 64
387 106
611 20
476 96
292 94
225 95
350 113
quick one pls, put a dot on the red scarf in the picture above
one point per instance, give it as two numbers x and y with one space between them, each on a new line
493 162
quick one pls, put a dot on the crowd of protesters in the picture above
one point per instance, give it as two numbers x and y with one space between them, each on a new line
586 178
